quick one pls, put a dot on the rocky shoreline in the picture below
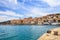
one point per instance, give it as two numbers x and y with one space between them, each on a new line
53 34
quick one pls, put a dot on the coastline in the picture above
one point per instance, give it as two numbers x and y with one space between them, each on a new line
52 35
52 19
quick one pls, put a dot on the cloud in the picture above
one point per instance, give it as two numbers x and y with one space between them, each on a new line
12 4
3 18
35 12
28 8
52 3
6 18
10 13
38 12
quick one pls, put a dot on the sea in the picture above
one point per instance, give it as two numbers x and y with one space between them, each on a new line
24 32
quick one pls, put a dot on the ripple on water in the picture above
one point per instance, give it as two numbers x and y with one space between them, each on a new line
23 32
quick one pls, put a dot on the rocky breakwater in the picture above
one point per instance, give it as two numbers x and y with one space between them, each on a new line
53 34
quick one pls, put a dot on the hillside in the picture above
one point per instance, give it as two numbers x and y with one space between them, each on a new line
52 19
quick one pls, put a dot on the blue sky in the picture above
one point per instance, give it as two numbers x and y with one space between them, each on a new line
14 9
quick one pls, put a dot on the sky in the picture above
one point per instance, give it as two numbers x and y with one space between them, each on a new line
17 9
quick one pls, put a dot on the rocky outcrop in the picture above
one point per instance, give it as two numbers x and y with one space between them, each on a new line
53 34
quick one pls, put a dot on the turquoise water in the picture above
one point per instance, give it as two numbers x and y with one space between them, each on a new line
23 32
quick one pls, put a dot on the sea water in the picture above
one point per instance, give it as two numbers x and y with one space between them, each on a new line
23 32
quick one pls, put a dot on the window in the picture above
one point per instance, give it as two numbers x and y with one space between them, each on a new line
54 20
59 16
58 20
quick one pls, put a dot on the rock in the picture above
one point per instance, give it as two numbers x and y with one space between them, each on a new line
54 34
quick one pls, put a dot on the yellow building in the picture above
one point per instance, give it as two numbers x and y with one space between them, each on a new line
15 21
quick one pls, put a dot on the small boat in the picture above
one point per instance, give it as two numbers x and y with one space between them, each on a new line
55 23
